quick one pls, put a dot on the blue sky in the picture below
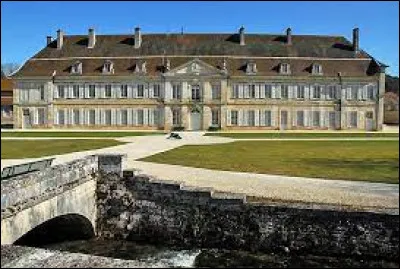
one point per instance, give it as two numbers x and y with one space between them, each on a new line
25 25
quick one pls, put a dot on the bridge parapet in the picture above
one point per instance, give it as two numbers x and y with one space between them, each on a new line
36 185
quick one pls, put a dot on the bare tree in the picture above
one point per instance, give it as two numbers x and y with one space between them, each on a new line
8 68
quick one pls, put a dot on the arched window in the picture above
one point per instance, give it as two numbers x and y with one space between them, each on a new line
316 69
76 68
284 68
108 67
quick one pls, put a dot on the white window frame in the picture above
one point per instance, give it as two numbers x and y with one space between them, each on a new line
124 91
235 117
108 89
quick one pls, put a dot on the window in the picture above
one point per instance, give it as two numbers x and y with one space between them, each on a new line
353 92
61 91
235 91
332 118
252 88
41 89
251 115
108 67
370 92
75 115
41 116
268 91
140 91
76 68
124 117
316 118
300 118
251 68
216 91
108 91
92 116
176 117
215 117
75 91
108 117
196 93
316 69
124 91
176 91
234 117
331 92
353 119
61 117
157 90
92 91
140 117
284 68
268 119
156 116
300 92
316 92
285 91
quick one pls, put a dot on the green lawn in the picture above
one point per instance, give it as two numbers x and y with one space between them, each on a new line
349 160
77 134
19 149
301 135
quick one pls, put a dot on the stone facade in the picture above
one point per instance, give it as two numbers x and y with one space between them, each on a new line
194 85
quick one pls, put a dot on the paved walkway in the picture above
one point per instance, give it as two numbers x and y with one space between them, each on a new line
356 194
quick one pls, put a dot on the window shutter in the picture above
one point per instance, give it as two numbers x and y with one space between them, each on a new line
246 117
129 116
261 118
145 116
326 122
257 89
294 117
55 116
321 118
274 115
262 91
307 118
81 116
86 90
228 117
134 117
151 90
365 92
348 93
306 92
360 92
277 90
241 95
97 116
257 117
103 116
337 119
134 91
56 92
113 116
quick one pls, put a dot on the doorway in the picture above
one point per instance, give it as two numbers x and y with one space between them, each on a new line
195 121
369 121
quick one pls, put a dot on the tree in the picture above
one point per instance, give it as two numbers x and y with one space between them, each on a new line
392 84
8 68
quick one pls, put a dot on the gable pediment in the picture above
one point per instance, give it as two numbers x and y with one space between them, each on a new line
195 67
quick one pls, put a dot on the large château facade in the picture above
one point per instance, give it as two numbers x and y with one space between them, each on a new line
197 81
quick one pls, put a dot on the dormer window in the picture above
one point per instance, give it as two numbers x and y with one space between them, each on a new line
140 67
76 68
316 69
284 68
108 67
251 68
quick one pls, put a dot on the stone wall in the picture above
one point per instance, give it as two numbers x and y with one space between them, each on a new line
38 185
140 208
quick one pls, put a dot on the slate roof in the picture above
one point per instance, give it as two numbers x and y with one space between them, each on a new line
191 45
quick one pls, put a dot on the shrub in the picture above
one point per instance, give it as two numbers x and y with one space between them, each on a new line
178 128
214 128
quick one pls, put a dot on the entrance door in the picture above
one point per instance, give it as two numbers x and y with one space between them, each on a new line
195 121
284 119
26 120
369 121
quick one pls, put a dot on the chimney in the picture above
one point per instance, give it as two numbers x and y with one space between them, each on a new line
48 39
356 38
92 38
138 38
60 39
241 35
289 36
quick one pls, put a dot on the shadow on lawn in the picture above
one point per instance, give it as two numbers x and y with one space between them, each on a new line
392 163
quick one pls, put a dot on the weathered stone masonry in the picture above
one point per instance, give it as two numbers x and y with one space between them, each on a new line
141 209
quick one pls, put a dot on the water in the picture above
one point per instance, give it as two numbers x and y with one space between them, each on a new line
161 256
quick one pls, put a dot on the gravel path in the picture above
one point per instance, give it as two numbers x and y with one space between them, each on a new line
338 192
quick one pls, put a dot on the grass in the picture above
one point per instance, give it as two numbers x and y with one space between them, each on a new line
77 134
301 135
375 161
19 149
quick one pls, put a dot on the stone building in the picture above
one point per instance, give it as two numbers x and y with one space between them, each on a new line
197 81
6 101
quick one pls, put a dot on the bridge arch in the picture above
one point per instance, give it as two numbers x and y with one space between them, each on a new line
78 201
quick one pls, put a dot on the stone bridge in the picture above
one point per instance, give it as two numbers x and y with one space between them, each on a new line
63 194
